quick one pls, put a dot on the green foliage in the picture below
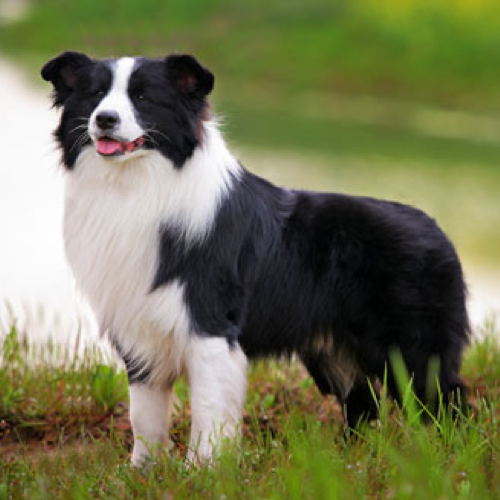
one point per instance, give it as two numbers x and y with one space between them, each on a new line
47 391
293 443
108 387
483 359
439 52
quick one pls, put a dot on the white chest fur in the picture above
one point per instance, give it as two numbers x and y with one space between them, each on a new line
114 212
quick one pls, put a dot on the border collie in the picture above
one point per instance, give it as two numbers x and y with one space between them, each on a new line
192 264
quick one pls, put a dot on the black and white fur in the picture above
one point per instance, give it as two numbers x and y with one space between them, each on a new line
192 264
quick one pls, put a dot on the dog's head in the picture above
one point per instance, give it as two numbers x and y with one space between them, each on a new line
126 107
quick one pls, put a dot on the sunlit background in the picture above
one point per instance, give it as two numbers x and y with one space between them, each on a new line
397 99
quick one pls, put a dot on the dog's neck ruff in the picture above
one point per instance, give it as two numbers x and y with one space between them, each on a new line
186 199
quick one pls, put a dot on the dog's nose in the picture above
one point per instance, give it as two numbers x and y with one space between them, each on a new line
107 119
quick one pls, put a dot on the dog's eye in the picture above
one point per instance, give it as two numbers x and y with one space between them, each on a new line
140 97
98 93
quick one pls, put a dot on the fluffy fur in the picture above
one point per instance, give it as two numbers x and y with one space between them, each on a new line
191 263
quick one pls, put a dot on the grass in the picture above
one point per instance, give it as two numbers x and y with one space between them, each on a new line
49 392
419 51
65 435
440 51
264 124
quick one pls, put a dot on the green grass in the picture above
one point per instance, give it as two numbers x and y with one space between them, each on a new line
436 51
73 440
265 124
47 391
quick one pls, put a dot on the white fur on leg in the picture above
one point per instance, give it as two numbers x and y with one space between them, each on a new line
149 415
217 375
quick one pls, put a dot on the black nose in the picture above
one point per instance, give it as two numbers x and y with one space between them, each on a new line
107 119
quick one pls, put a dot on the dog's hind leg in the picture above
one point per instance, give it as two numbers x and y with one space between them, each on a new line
335 372
433 365
434 382
361 404
217 376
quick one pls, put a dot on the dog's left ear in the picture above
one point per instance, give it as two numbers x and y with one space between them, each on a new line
189 76
63 73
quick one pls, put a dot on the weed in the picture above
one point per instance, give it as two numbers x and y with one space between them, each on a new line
293 444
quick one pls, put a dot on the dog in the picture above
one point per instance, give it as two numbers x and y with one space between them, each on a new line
193 264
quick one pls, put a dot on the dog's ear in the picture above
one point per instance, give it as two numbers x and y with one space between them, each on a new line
189 76
63 73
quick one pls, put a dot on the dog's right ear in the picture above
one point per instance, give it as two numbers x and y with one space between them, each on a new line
63 73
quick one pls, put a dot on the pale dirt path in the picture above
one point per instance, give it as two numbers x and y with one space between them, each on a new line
34 279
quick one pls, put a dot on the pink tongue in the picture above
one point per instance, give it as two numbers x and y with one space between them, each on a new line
109 146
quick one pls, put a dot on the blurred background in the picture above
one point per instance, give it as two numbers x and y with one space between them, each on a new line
397 99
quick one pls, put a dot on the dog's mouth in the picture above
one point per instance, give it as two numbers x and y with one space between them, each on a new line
106 146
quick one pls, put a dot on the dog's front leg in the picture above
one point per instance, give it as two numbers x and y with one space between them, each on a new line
217 375
149 415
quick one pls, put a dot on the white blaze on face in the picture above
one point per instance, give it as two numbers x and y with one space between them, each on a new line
118 100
